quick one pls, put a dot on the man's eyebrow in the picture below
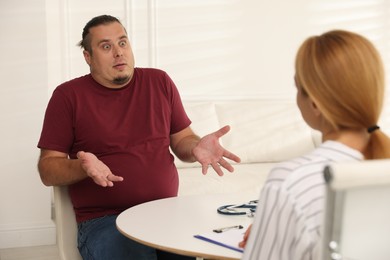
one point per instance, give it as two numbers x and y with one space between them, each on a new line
107 40
103 41
123 37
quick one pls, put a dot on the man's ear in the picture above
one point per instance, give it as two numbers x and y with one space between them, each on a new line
87 57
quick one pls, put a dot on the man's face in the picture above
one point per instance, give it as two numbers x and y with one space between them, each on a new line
111 60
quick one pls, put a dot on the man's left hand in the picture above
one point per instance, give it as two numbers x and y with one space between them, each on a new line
209 152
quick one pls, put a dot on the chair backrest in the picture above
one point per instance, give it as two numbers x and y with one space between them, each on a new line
357 212
66 225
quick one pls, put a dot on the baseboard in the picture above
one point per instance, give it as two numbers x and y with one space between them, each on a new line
22 236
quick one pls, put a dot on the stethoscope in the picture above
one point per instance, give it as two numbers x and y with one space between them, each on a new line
239 209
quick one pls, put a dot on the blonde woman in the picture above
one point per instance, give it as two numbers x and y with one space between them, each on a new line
340 89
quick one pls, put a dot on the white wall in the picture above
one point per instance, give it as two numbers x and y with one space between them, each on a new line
213 49
24 201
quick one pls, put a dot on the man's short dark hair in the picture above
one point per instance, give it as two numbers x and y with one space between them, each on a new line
85 43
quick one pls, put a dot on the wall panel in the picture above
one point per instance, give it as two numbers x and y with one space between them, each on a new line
24 202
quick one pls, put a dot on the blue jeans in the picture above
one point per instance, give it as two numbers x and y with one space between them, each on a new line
99 239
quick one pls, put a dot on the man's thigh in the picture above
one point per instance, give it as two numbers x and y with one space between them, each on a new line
100 239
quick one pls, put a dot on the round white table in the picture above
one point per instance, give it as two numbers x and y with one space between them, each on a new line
170 224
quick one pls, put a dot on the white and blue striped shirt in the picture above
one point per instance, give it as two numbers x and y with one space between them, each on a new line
289 217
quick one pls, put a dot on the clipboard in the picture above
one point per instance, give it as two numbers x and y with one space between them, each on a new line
228 239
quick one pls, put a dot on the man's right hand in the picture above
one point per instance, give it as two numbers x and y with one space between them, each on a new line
97 170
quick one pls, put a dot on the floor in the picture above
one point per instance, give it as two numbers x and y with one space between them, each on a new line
30 253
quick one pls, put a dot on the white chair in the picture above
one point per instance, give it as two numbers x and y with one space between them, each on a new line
357 214
66 225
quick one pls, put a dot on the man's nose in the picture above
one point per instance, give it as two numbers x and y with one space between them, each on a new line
117 51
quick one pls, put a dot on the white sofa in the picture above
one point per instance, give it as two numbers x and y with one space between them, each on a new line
262 133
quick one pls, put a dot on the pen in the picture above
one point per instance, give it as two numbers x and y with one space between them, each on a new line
220 230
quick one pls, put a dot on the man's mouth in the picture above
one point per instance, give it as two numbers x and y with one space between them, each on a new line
120 66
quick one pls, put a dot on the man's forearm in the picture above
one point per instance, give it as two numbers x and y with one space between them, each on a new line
55 171
184 148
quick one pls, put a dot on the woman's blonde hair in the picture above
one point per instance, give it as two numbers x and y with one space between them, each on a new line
343 74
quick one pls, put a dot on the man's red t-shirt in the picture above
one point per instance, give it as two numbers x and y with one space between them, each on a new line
128 129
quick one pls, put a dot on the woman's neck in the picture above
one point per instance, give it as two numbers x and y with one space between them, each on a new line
356 139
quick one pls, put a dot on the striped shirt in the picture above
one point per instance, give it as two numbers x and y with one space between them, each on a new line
288 221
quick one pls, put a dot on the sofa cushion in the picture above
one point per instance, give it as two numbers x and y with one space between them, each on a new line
246 177
264 131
